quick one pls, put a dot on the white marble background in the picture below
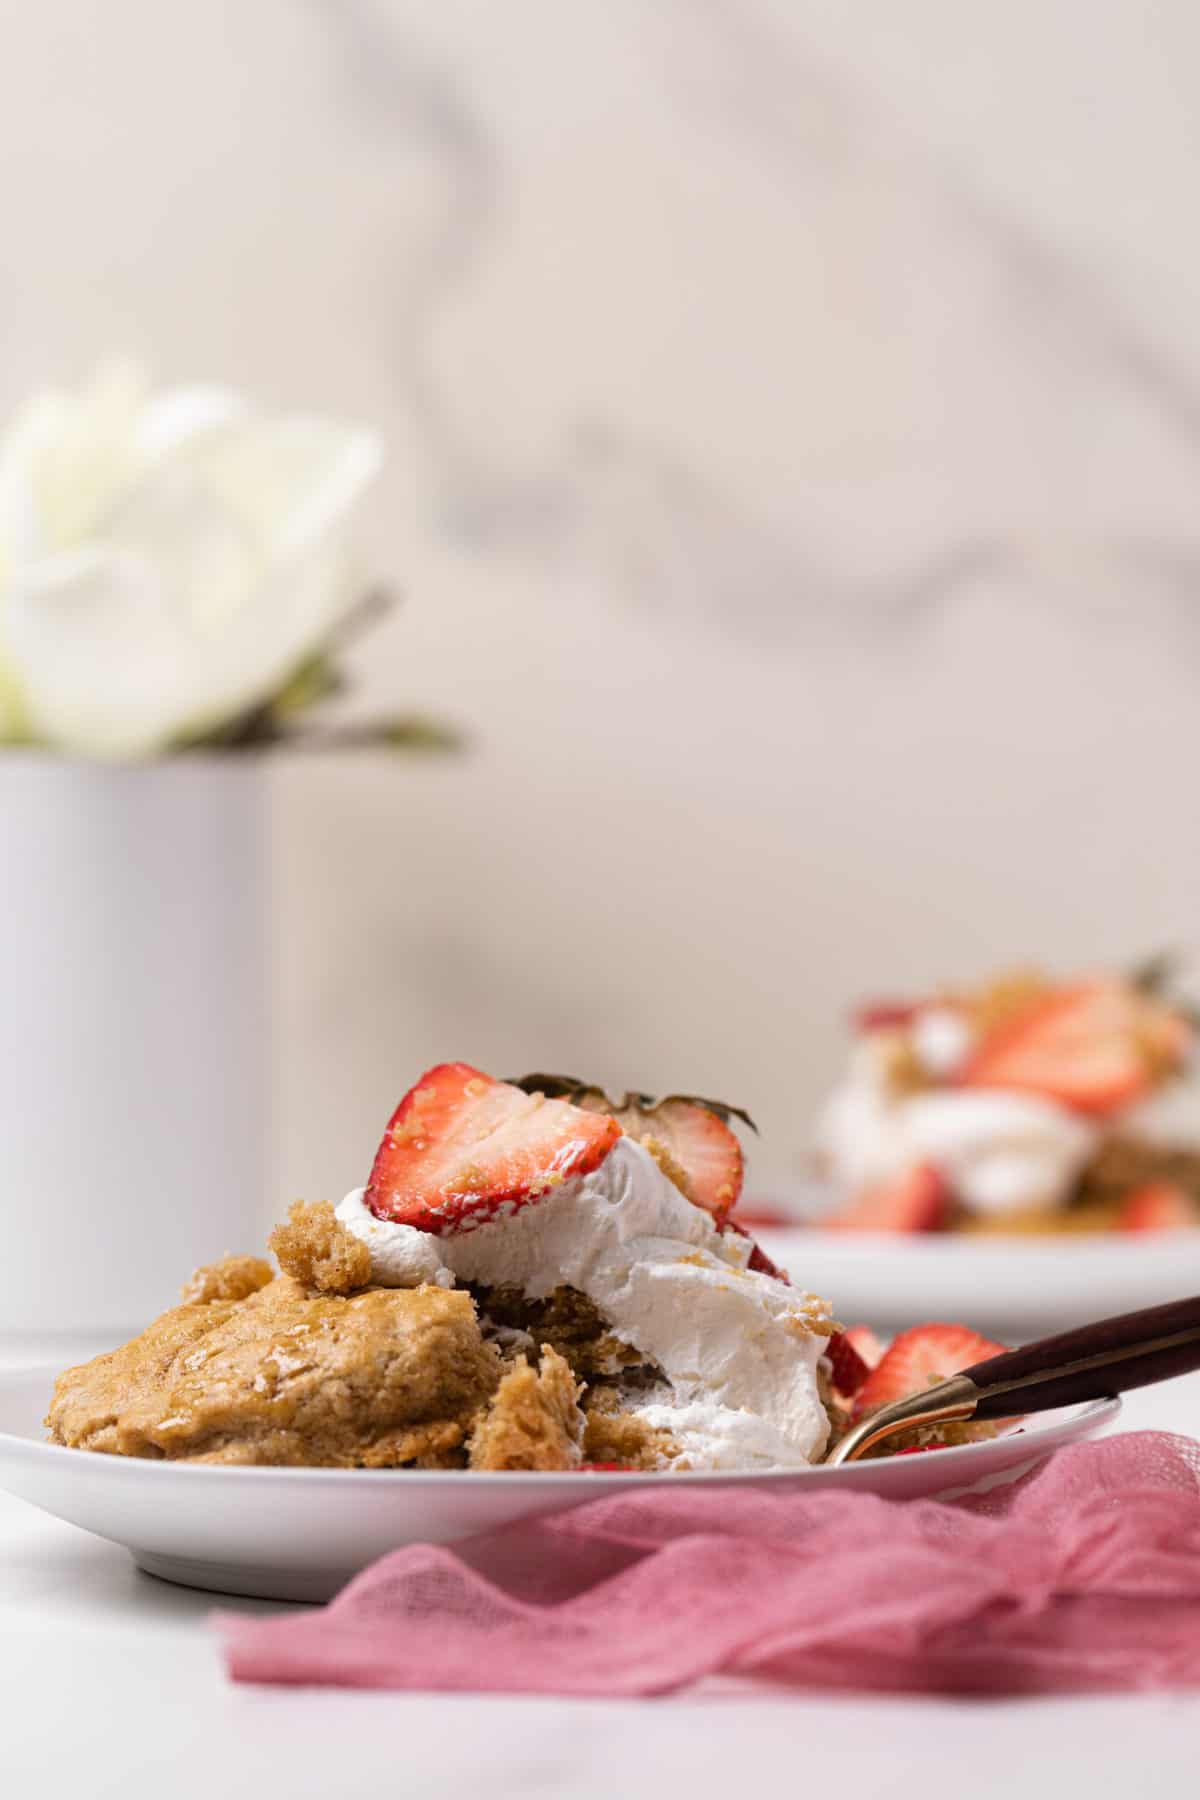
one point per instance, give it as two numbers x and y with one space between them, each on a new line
795 413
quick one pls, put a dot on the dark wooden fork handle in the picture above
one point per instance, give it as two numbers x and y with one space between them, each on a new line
1106 1358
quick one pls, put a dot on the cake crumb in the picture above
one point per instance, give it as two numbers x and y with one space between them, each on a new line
232 1278
613 1435
812 1316
315 1248
534 1421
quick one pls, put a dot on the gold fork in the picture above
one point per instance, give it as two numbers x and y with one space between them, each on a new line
1090 1363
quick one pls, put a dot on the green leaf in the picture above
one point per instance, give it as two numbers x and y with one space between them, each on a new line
1156 974
417 731
409 731
318 678
569 1087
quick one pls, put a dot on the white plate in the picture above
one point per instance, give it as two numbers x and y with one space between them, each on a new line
1009 1288
299 1534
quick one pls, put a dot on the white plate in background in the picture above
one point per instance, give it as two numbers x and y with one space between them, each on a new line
1009 1288
299 1534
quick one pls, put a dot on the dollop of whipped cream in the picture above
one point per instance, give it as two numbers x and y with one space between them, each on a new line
401 1256
999 1151
738 1357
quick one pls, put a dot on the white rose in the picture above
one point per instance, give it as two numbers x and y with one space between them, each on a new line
166 562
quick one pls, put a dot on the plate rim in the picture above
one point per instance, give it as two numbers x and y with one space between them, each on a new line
958 1243
1100 1412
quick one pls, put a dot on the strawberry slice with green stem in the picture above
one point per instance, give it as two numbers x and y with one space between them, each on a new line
690 1138
462 1148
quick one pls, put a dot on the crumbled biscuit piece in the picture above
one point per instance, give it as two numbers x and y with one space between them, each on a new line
811 1316
233 1278
533 1422
612 1435
315 1248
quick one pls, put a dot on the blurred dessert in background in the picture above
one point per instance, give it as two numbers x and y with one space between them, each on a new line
1024 1105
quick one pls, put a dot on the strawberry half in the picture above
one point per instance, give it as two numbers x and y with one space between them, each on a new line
759 1261
847 1369
853 1354
462 1147
698 1142
918 1200
919 1358
689 1137
1095 1047
1158 1206
865 1344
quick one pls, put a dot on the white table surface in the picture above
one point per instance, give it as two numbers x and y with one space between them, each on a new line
110 1684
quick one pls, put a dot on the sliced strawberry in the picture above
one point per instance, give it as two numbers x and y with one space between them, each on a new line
918 1200
884 1015
762 1264
697 1142
919 1358
761 1212
462 1147
853 1353
1095 1047
863 1341
848 1370
1158 1206
689 1137
759 1261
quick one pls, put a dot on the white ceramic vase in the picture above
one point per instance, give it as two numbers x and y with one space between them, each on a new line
133 1033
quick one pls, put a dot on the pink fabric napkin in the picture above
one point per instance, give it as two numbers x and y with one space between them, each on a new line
1085 1575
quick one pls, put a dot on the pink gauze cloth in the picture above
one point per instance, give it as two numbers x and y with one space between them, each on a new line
1083 1575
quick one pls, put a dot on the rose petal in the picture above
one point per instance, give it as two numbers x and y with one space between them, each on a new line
292 480
65 459
180 416
105 665
209 561
294 608
36 428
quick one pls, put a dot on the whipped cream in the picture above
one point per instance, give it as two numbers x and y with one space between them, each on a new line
999 1151
401 1256
737 1356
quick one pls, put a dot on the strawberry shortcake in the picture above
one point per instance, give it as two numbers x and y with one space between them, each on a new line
532 1276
